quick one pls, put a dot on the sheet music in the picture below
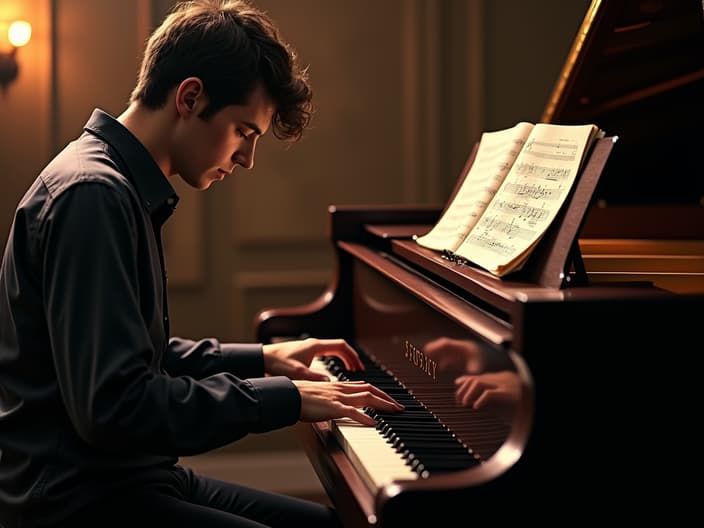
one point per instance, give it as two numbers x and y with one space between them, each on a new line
530 197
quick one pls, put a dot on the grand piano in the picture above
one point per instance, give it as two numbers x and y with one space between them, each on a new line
536 394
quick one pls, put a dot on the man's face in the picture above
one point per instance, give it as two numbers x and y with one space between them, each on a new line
205 151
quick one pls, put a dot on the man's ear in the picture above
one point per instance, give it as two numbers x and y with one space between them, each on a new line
189 97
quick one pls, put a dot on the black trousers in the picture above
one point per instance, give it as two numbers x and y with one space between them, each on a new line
185 499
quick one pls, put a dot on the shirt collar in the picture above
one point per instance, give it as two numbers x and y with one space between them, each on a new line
153 187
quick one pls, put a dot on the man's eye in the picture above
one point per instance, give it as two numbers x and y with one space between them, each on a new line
241 133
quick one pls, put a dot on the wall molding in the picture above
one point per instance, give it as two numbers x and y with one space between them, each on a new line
289 279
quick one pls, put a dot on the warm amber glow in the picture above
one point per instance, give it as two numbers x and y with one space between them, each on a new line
19 33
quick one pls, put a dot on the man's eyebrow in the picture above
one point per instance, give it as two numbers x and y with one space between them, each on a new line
252 126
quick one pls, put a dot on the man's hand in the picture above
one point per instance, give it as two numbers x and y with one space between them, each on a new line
293 358
338 399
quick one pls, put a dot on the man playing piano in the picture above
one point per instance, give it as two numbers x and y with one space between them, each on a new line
97 401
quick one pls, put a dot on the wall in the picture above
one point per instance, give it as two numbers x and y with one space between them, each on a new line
403 88
25 108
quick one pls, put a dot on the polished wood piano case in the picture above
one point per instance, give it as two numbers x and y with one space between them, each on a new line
593 391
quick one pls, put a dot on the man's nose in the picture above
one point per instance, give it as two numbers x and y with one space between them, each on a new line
244 157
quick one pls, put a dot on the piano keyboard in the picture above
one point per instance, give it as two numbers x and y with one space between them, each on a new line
409 445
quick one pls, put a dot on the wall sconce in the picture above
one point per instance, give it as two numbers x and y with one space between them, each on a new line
18 34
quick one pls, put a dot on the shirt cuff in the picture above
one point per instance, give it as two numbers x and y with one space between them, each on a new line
280 402
245 360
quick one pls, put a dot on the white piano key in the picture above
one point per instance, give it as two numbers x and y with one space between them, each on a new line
377 462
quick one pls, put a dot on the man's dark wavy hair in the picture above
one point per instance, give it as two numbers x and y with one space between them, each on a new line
231 46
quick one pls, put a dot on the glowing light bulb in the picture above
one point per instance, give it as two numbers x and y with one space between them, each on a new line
19 33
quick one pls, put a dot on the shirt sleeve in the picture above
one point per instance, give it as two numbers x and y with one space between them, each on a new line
108 372
206 357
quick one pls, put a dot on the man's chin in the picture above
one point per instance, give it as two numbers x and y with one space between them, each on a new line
207 184
202 184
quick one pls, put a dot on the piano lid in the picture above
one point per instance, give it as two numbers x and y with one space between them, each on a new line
636 69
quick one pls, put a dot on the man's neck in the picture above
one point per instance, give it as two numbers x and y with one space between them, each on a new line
153 129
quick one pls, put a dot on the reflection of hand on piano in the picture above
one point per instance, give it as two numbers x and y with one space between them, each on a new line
481 382
293 358
499 392
455 357
321 400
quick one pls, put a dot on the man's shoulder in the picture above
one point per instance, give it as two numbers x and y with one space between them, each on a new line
87 159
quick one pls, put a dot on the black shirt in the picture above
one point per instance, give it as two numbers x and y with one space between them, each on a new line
93 392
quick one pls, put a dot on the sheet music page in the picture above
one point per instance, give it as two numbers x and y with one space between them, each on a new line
529 198
496 153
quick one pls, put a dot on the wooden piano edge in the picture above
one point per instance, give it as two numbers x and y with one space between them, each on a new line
342 483
449 495
359 507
